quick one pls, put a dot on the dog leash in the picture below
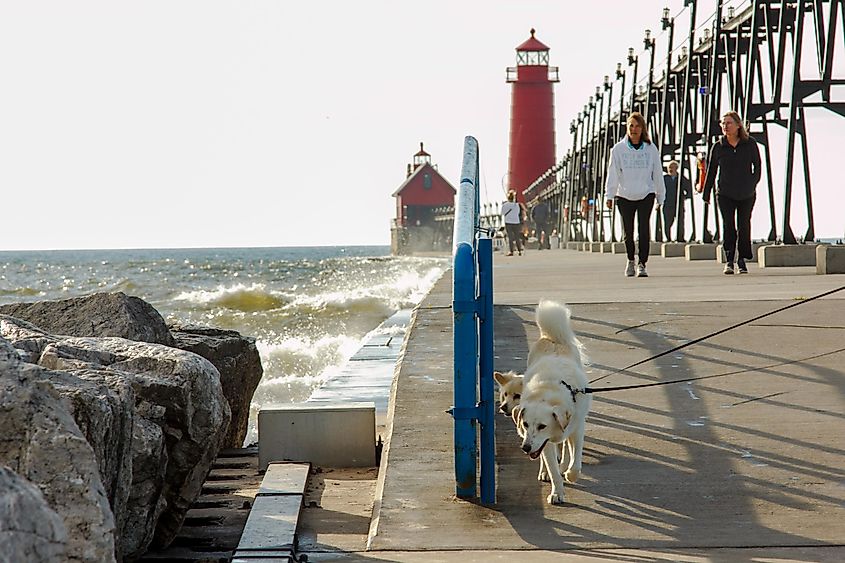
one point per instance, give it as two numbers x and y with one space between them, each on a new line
686 379
711 335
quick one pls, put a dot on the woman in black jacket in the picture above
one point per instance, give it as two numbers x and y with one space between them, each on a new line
738 159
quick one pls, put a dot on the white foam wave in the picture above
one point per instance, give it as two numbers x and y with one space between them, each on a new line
241 297
383 299
294 368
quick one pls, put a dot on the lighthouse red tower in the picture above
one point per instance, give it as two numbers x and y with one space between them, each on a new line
532 139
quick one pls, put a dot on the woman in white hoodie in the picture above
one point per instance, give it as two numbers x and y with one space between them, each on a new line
635 182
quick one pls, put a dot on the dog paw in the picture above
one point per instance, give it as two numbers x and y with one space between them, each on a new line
543 476
572 475
555 498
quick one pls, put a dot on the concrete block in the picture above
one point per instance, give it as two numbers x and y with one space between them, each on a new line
607 247
618 247
329 434
672 249
655 248
595 247
830 259
271 524
755 250
787 255
261 554
573 245
700 251
284 479
585 246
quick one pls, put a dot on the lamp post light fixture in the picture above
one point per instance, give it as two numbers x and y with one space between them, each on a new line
619 72
665 20
648 42
631 56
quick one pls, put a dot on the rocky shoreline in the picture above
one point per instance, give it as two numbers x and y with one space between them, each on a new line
109 423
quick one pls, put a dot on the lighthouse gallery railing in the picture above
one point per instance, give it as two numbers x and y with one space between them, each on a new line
472 307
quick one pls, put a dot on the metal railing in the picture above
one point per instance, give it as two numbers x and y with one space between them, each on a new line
472 309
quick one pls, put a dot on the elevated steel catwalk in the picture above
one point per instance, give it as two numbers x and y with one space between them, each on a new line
746 58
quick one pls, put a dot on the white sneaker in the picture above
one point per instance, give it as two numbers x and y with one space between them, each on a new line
629 269
729 269
641 273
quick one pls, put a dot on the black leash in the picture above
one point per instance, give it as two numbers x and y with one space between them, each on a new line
711 335
686 379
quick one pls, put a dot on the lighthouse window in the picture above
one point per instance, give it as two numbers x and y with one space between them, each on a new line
427 181
532 58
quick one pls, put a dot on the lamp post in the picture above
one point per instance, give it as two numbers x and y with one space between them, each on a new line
620 74
608 144
635 61
648 43
683 157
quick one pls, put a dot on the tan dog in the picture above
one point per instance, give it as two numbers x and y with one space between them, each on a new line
510 390
553 407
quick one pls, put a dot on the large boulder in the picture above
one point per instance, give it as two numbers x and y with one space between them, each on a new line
28 339
29 529
98 314
43 444
103 407
146 499
239 364
178 390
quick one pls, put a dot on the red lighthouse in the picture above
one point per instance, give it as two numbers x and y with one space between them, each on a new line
532 139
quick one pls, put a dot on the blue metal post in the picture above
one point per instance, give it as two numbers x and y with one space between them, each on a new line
465 352
485 372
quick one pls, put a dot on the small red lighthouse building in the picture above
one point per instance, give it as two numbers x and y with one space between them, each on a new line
424 209
532 137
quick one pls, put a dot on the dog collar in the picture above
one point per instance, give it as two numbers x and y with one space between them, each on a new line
571 390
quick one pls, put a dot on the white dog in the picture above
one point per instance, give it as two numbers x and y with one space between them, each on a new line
553 407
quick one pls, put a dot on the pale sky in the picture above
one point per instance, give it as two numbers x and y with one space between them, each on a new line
253 123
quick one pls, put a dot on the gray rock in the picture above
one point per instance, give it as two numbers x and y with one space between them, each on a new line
43 444
103 405
239 364
183 396
99 314
146 498
29 529
28 339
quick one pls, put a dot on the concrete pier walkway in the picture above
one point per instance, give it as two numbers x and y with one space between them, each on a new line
746 466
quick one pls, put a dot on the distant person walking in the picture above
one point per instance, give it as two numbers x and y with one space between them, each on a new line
737 158
512 213
634 182
674 184
540 216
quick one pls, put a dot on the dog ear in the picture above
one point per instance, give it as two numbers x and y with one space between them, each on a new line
502 378
561 416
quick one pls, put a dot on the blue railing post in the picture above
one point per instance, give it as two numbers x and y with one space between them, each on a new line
485 371
472 307
465 341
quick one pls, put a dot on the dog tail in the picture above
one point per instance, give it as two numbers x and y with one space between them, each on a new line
553 321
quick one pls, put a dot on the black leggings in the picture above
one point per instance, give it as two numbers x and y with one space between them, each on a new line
736 220
642 208
514 236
